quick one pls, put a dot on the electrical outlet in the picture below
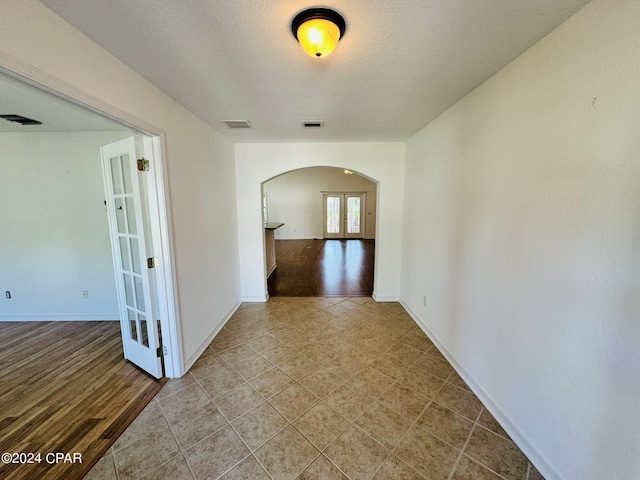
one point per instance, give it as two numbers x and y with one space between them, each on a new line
7 294
85 293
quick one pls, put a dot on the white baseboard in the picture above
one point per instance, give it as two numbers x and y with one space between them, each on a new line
255 299
520 439
203 346
385 298
90 317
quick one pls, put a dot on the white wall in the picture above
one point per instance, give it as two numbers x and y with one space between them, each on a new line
521 226
200 161
381 162
295 198
55 233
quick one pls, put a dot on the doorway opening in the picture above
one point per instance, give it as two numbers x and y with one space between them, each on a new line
320 227
71 203
60 328
323 268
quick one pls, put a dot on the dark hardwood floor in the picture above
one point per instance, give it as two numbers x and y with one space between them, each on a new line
320 268
65 387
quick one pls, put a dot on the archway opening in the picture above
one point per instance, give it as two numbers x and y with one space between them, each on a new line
320 232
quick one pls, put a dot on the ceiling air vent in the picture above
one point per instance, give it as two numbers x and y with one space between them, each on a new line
312 123
20 119
237 123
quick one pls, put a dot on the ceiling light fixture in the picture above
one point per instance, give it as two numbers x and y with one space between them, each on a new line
318 30
348 172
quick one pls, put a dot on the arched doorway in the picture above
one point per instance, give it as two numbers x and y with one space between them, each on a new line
320 229
381 162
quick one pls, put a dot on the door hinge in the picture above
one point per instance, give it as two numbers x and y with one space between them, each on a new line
143 165
153 262
161 351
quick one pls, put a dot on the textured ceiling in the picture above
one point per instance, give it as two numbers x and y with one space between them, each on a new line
400 64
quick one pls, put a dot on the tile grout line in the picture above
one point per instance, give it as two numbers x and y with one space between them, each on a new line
265 400
429 403
228 423
390 452
411 426
172 434
115 464
278 321
177 442
476 460
289 424
479 462
113 452
455 464
416 419
350 423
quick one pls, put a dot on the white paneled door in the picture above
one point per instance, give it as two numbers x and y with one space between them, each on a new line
343 215
125 200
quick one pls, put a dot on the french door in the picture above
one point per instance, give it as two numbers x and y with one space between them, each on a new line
343 215
140 336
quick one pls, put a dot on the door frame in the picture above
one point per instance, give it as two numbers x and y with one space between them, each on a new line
161 241
162 233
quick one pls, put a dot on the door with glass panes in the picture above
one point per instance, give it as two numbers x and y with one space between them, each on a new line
343 214
125 201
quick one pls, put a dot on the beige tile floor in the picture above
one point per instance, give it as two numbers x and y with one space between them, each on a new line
317 388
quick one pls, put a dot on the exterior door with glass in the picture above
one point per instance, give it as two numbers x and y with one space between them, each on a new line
343 214
125 200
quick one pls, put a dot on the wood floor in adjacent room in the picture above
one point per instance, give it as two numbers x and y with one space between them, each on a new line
320 268
65 388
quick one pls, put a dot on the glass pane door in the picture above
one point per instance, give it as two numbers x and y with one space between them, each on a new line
343 215
333 214
353 218
353 215
139 331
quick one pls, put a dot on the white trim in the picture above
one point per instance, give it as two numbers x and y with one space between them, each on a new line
271 270
57 317
14 68
163 248
382 298
205 343
256 298
520 439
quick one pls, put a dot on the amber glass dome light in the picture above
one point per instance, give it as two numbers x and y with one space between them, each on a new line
318 30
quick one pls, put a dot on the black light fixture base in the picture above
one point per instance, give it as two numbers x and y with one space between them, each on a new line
318 13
